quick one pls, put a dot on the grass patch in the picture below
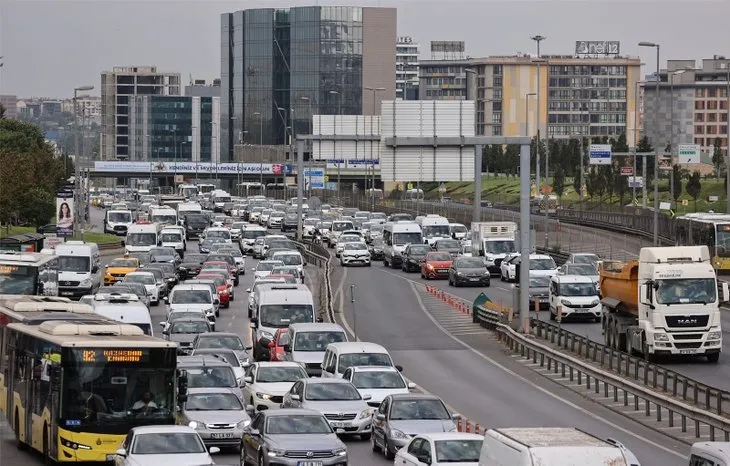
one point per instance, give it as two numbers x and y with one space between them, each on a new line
89 237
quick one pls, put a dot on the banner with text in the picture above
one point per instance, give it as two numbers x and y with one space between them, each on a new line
600 154
65 211
118 166
354 164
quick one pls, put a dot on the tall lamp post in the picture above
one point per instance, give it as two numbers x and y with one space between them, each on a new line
334 143
656 143
261 151
78 193
538 38
284 114
309 130
375 91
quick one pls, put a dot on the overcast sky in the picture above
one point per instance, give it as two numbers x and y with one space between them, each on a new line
49 47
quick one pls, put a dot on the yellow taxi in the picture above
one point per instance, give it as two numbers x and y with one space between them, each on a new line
118 268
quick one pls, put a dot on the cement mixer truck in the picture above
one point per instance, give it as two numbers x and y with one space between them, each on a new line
667 302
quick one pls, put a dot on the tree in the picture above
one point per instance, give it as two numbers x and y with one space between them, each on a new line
645 146
694 187
621 184
717 157
2 111
559 182
607 175
677 178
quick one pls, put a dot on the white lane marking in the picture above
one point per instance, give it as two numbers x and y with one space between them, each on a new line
537 387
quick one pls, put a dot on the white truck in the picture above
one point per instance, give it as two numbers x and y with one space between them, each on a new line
493 241
667 302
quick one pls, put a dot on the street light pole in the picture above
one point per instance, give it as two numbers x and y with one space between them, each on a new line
79 217
538 38
309 130
656 144
727 144
334 145
375 91
261 153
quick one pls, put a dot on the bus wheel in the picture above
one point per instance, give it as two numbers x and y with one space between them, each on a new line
18 443
47 460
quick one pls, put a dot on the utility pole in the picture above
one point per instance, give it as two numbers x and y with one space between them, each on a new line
538 38
78 224
334 145
656 143
375 91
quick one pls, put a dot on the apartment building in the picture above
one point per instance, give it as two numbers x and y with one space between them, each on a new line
406 68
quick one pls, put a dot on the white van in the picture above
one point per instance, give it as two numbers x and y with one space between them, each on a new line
141 237
307 343
117 222
278 306
163 215
564 446
125 308
79 269
173 237
577 295
434 228
396 236
710 454
340 356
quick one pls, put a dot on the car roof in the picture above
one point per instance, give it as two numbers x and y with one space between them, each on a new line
200 359
315 327
191 286
414 396
573 278
219 334
373 369
193 391
436 436
357 347
167 428
324 380
140 272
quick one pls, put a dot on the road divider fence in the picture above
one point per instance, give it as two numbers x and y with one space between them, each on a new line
318 255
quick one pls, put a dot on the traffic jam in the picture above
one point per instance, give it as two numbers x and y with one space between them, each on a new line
295 391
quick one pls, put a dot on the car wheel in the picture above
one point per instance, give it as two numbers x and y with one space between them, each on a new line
373 444
488 283
366 436
261 459
370 264
389 455
218 313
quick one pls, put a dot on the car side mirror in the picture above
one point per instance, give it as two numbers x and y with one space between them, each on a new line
248 290
367 397
287 348
216 301
296 397
162 324
455 416
411 386
166 299
121 452
399 368
248 379
380 417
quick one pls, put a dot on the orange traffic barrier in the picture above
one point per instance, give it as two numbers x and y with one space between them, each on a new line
468 426
459 425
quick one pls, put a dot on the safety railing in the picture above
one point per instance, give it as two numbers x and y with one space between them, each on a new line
318 256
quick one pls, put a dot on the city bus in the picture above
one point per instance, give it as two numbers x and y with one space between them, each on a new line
67 388
28 273
708 229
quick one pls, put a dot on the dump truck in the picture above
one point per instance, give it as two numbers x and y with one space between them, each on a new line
666 303
493 240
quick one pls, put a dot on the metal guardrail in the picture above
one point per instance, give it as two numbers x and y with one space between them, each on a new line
703 396
614 385
319 256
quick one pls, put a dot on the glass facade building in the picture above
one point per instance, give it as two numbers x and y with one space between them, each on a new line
281 66
174 128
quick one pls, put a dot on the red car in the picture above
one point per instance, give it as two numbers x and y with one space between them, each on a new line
276 351
221 286
436 265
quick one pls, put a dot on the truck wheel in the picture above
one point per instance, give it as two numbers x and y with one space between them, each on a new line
713 358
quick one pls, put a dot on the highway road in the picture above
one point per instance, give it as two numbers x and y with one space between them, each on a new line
470 371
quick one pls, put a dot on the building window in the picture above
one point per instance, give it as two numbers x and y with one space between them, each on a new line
699 104
723 92
497 81
711 129
496 130
496 106
712 92
712 117
699 117
497 69
712 105
699 92
699 141
497 118
699 129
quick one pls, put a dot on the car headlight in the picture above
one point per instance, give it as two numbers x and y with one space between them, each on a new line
340 452
265 334
595 303
243 424
366 413
397 434
661 337
263 396
195 425
273 452
85 282
565 302
714 335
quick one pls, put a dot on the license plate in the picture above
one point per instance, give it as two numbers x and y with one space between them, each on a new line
67 293
340 424
309 463
687 351
443 270
473 279
227 435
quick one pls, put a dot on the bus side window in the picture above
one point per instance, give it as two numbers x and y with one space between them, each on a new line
695 460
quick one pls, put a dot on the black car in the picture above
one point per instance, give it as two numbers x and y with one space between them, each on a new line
539 291
468 271
376 250
144 257
413 254
195 224
164 254
190 266
289 222
169 273
451 246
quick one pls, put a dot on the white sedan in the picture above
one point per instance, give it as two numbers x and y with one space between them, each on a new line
508 267
343 239
378 382
267 382
443 448
354 253
163 446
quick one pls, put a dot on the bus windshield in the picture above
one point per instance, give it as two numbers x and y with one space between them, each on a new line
103 386
283 315
164 218
142 239
435 230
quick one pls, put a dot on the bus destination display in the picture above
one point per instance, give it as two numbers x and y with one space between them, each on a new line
105 355
6 269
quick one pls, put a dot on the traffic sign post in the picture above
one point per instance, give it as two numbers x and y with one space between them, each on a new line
689 153
600 154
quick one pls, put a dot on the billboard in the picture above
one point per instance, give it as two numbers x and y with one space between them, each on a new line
597 47
314 178
119 166
600 154
447 46
65 211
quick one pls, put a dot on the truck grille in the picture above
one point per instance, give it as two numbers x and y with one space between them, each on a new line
579 306
687 336
687 321
68 283
688 345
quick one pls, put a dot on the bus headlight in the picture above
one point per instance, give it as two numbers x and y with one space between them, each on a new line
74 445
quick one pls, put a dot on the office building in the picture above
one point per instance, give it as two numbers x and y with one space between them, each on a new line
118 88
199 88
281 66
174 128
579 95
10 105
693 104
406 68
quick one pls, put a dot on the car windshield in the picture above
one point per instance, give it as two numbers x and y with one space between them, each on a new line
578 289
231 252
376 228
342 226
469 263
74 263
278 374
190 297
126 263
310 222
383 380
356 246
331 392
253 234
438 256
141 239
283 315
317 341
448 244
325 225
219 280
196 220
542 264
232 342
120 217
539 282
458 451
363 359
297 424
167 443
195 258
171 238
266 266
399 239
146 279
164 218
197 326
222 234
349 239
238 225
211 376
581 269
213 402
585 259
289 259
499 246
418 409
285 270
419 250
436 230
686 291
222 258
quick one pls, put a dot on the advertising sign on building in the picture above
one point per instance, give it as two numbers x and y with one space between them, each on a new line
192 167
65 211
600 154
689 153
597 47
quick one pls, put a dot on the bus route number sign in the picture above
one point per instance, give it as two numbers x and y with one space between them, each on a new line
114 355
